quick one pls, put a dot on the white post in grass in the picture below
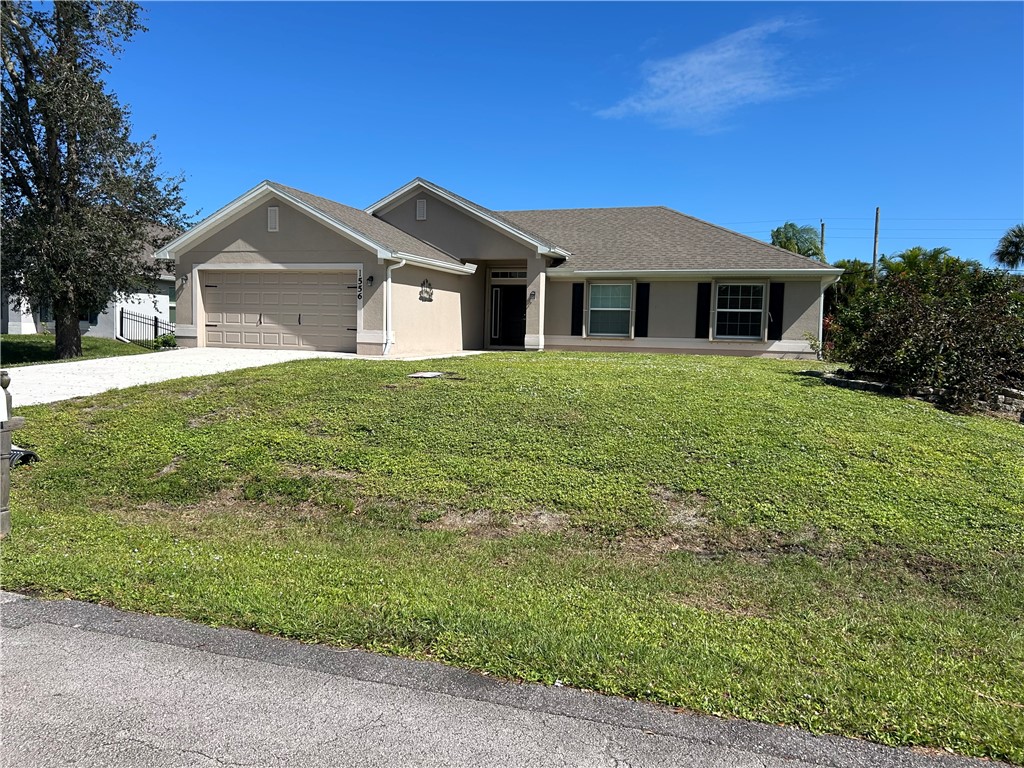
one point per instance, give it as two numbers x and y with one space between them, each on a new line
8 424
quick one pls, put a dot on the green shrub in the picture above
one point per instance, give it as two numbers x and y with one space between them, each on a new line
958 331
167 341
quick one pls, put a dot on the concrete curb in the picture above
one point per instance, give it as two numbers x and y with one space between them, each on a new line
780 743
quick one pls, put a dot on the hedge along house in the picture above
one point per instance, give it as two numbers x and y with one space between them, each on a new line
425 271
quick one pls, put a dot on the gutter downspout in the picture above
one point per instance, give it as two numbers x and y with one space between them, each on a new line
388 317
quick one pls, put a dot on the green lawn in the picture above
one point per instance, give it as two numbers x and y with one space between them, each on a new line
35 348
719 534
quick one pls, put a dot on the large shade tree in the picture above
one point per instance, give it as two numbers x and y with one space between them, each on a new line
1010 251
81 199
802 240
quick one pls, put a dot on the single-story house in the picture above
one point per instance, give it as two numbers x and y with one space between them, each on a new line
18 317
424 270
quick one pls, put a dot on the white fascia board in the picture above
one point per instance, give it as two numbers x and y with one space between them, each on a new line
555 252
811 274
241 205
398 195
385 203
211 222
457 269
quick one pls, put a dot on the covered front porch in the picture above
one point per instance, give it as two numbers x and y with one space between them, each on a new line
514 305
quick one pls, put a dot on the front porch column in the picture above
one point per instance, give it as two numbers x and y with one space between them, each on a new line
535 282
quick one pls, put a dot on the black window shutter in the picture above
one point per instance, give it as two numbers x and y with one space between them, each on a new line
776 301
702 326
577 309
643 307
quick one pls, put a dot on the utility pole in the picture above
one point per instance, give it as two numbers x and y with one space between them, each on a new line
874 254
822 238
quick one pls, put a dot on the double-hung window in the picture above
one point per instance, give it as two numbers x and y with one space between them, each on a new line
610 306
739 311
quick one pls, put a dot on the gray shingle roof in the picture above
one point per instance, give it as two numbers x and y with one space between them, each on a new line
652 238
370 227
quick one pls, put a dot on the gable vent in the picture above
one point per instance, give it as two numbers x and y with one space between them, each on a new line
272 218
421 209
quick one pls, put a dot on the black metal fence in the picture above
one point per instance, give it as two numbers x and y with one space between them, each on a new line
142 329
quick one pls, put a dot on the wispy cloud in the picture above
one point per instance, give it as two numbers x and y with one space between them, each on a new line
699 88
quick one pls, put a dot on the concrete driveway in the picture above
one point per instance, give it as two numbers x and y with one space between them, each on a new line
91 686
50 382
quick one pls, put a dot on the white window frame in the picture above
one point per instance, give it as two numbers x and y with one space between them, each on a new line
590 309
172 303
715 310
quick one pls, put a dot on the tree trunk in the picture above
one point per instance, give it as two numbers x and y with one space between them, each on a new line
69 335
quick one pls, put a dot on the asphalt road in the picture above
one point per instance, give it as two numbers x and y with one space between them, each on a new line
91 686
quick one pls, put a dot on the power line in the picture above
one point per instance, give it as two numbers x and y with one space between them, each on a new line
924 229
779 221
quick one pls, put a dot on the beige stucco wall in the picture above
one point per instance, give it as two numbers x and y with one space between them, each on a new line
451 322
299 240
454 231
671 313
558 312
801 311
673 310
672 318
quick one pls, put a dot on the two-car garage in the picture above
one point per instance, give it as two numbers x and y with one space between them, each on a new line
281 309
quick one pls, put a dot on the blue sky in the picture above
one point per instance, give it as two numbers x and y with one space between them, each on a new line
744 114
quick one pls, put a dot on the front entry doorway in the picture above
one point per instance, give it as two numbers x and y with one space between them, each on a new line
508 315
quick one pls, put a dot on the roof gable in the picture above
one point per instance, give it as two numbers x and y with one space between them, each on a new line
489 217
386 241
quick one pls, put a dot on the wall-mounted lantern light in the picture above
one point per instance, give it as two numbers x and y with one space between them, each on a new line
533 295
184 279
369 281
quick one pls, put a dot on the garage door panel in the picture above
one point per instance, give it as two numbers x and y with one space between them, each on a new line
287 310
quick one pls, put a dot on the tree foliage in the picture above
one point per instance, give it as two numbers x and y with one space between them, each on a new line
934 321
856 280
81 200
802 240
1010 251
923 262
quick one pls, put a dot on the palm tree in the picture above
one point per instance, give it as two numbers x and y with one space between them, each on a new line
802 240
921 261
1010 251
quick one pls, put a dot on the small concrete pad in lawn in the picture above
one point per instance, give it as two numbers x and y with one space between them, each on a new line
52 382
88 685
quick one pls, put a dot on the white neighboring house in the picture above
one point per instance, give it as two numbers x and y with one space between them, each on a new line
19 318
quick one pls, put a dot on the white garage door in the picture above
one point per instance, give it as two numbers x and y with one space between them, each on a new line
281 309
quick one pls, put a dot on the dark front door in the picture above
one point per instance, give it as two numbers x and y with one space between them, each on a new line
508 315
